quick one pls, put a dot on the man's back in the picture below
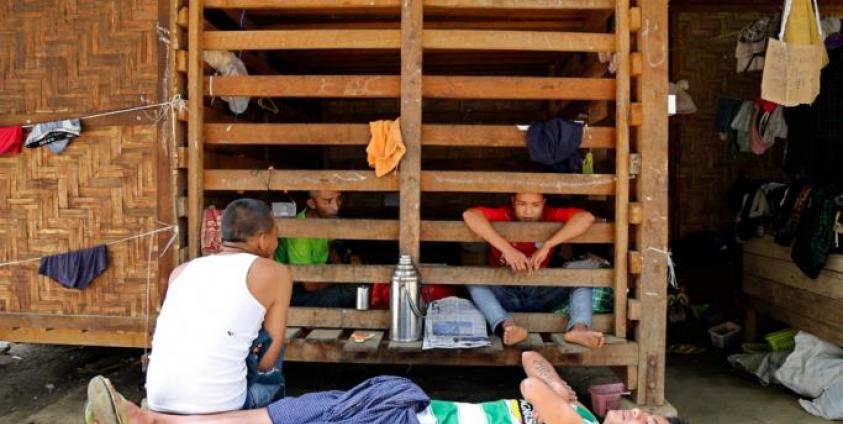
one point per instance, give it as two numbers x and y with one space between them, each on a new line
203 334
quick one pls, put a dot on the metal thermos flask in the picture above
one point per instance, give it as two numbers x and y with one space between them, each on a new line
404 302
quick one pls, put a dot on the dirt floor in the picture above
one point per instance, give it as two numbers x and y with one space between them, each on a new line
46 384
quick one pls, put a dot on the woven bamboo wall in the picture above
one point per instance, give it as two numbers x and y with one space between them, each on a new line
76 56
702 51
61 59
101 188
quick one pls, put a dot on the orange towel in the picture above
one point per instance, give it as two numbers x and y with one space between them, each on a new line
386 148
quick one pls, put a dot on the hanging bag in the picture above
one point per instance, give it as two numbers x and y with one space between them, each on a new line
794 61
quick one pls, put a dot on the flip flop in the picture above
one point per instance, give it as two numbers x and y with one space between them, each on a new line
105 405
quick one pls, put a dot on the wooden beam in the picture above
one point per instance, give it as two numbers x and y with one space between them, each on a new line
369 5
513 231
194 127
795 300
511 182
651 235
437 181
76 337
828 284
439 231
433 39
219 179
358 135
549 277
412 17
622 101
378 319
435 87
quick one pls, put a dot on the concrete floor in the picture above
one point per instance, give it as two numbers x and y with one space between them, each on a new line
45 385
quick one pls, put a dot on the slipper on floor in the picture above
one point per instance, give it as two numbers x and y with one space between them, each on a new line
685 349
105 405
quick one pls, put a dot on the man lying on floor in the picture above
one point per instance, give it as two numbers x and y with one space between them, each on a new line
385 399
497 302
203 356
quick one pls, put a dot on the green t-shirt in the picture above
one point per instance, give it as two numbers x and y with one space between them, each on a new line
505 411
303 251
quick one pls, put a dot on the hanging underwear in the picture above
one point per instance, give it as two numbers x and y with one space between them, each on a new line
76 269
11 140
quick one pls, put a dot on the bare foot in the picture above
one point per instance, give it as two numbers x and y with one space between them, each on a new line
585 337
537 366
548 406
513 333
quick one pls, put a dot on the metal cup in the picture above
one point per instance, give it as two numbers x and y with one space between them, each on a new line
362 298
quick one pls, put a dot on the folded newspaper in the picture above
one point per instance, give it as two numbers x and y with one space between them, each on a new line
454 323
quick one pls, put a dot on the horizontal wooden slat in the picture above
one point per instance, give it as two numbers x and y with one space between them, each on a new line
438 181
217 179
447 231
513 231
439 87
518 41
368 5
379 320
76 322
511 182
358 135
826 310
767 247
391 39
72 336
802 320
553 277
828 284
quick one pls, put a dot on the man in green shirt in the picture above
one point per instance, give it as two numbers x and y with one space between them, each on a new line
322 204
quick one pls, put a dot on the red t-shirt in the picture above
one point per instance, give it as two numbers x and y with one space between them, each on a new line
505 213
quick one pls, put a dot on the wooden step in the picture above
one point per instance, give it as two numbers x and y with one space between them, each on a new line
331 346
369 6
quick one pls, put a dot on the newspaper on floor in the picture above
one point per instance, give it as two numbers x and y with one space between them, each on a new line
454 323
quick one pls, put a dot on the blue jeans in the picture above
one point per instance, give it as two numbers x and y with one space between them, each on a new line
495 302
263 388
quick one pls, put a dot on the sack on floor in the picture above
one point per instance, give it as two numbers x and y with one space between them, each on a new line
829 405
814 366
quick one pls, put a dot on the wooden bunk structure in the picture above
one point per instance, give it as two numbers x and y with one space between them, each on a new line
412 29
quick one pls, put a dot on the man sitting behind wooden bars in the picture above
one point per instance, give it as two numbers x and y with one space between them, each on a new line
496 302
321 204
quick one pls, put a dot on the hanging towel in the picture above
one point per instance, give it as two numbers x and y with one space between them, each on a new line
76 270
556 143
211 239
59 133
228 64
742 124
386 148
11 140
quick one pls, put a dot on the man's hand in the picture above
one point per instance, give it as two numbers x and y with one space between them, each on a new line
538 258
516 260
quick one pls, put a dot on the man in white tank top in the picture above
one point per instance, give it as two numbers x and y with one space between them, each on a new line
213 312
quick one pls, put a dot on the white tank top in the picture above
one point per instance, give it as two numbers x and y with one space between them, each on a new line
202 337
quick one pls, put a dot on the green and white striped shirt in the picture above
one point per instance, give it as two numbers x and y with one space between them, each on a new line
506 411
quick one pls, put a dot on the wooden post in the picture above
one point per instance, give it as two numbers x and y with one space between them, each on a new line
651 236
194 126
621 164
411 104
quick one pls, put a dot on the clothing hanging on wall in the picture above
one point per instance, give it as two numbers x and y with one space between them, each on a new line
228 64
76 269
211 236
11 140
55 135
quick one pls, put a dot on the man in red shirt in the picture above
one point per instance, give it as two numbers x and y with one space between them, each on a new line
495 302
